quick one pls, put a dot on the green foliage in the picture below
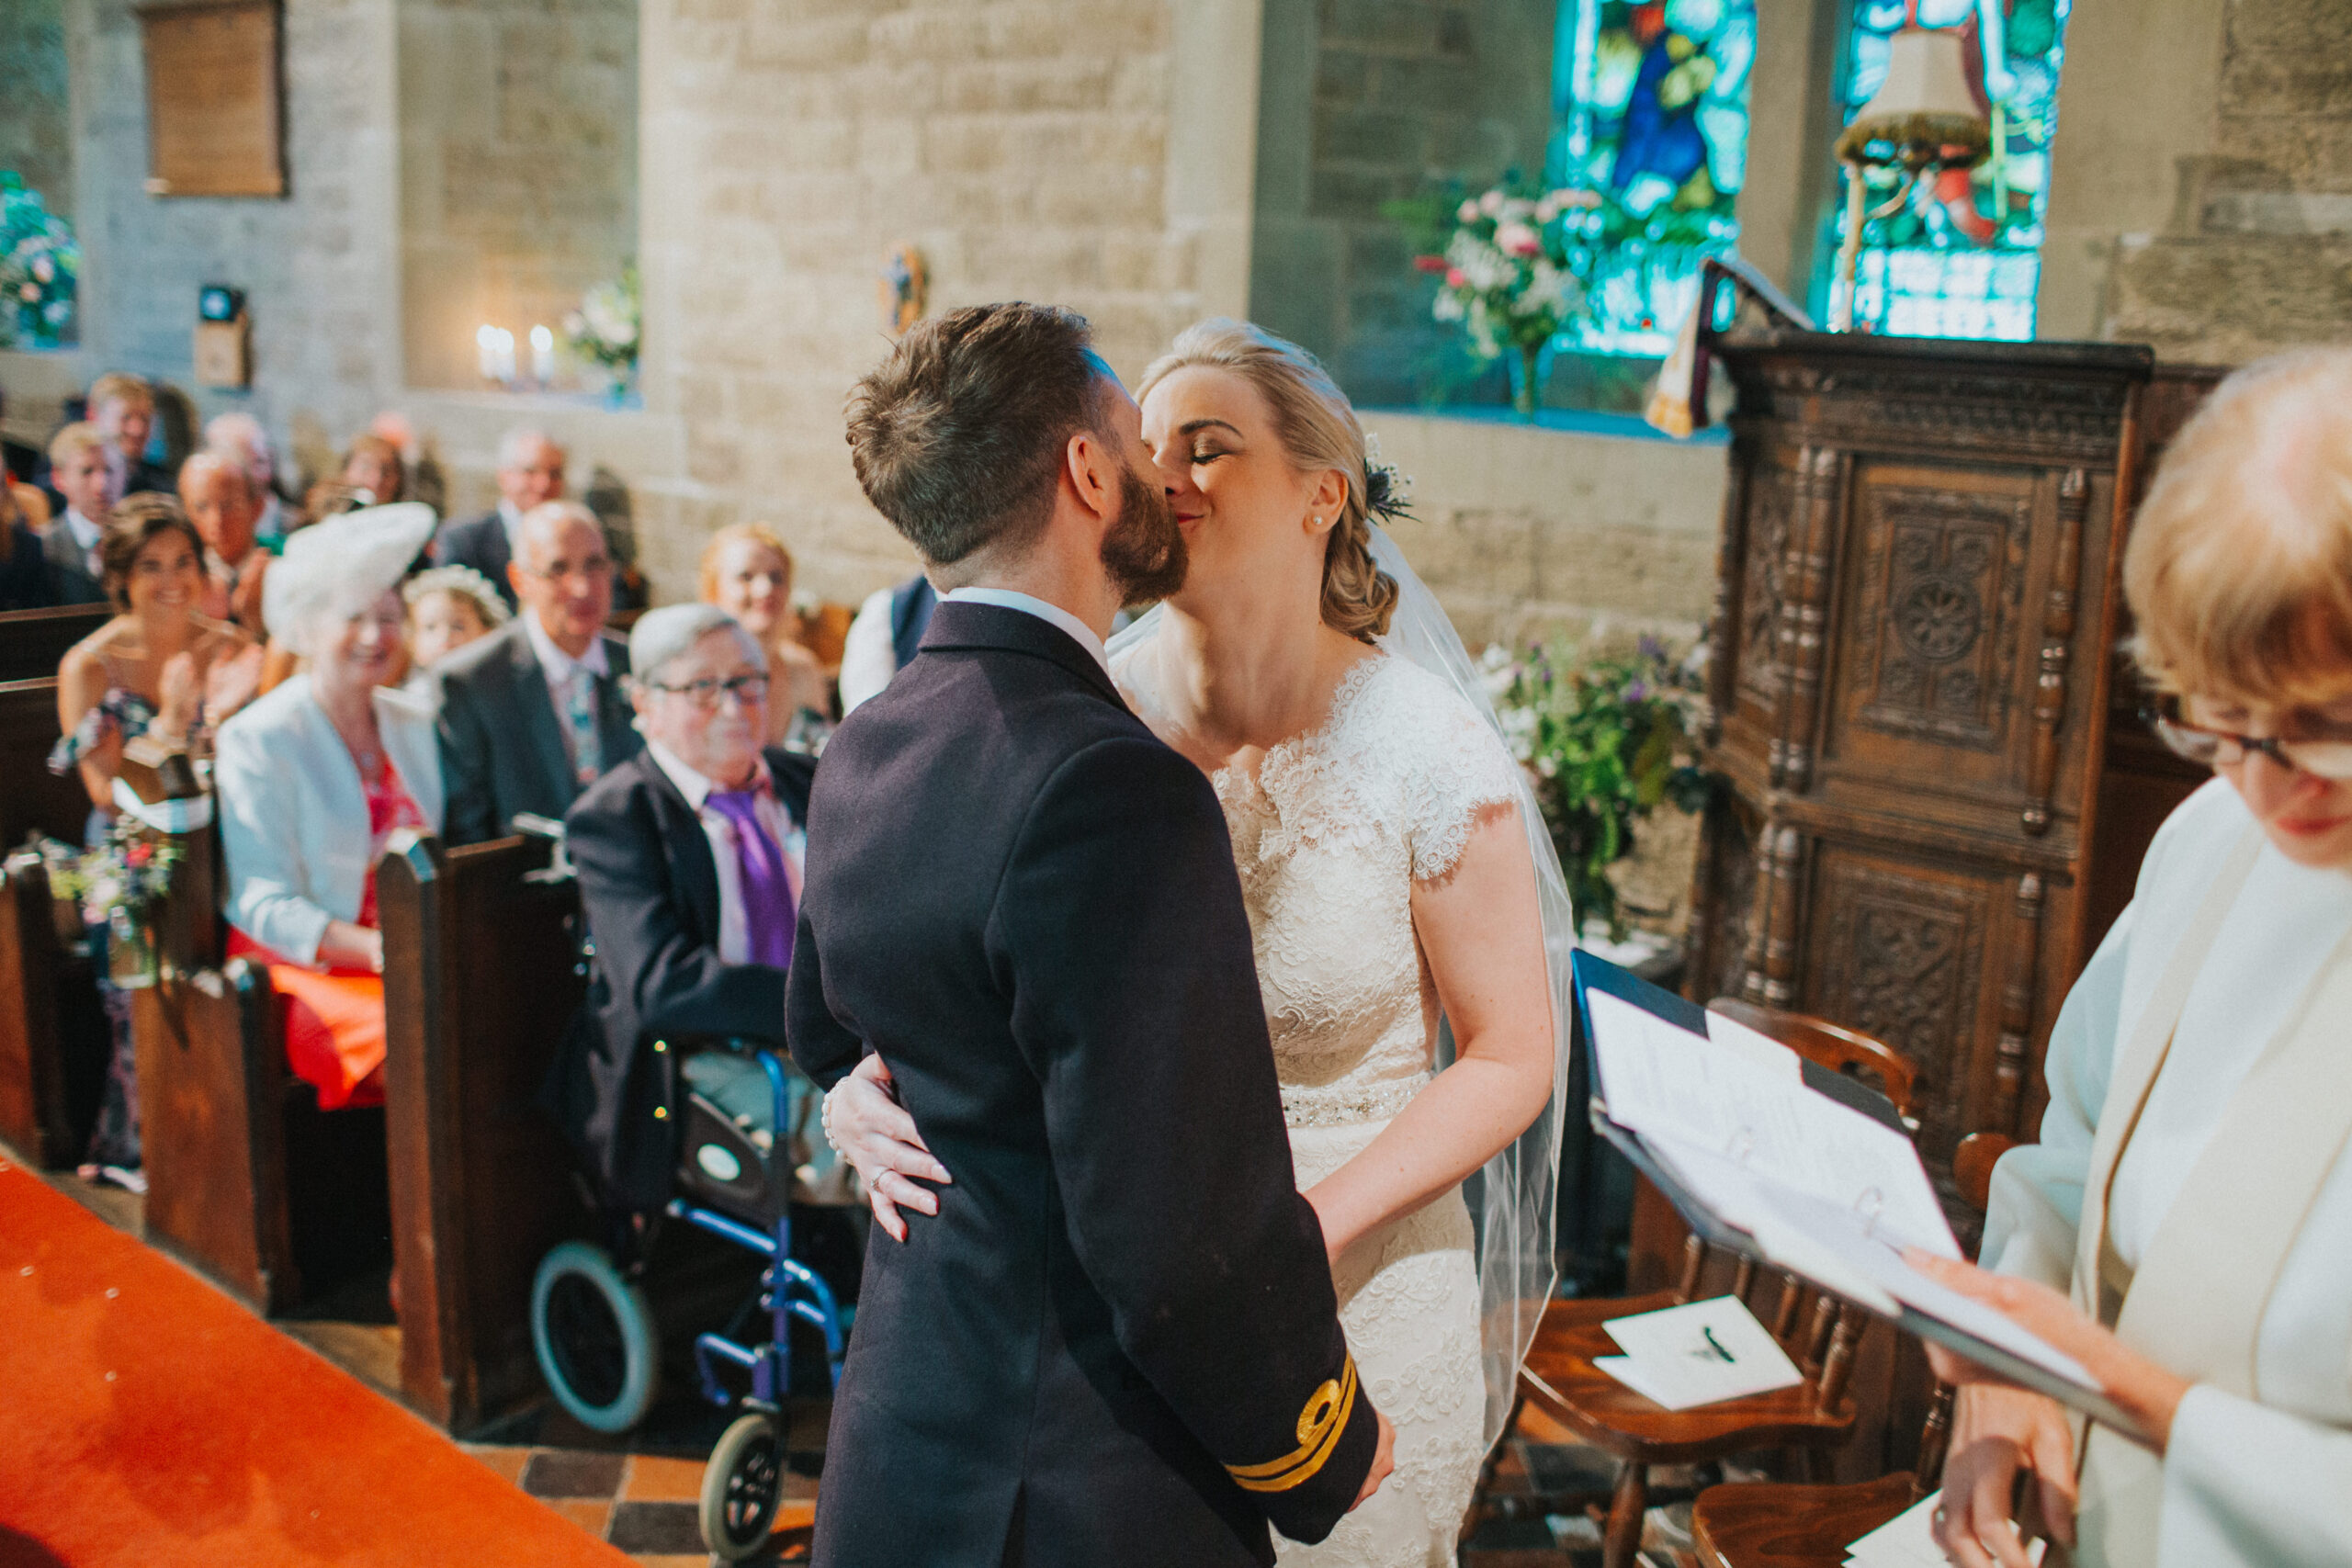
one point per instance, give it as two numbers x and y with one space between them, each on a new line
41 266
1609 739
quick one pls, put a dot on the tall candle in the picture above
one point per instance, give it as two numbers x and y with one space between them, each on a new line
542 356
486 350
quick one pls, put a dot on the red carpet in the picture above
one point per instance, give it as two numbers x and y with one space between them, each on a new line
145 1418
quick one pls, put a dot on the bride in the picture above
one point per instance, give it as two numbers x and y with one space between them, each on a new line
1382 835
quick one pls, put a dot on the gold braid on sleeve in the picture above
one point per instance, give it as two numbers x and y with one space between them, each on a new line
1319 1425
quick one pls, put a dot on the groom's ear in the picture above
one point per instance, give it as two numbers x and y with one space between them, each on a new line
1089 468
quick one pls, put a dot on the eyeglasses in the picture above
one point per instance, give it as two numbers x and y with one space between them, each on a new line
2326 754
744 689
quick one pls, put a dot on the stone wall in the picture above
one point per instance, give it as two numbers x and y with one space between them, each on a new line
35 137
2258 255
518 169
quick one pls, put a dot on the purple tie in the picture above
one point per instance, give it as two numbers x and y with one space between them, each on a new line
768 914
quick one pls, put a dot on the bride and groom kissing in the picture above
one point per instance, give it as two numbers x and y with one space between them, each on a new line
1123 969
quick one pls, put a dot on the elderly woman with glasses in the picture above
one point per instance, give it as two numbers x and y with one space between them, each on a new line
2184 1228
315 777
689 861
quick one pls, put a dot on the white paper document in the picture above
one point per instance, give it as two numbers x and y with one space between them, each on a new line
1697 1354
1908 1540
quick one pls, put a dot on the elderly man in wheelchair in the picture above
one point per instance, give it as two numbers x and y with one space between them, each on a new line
672 1083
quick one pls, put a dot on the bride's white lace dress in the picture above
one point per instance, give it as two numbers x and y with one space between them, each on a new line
1330 837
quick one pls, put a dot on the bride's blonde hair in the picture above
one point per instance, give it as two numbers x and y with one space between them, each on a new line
1318 430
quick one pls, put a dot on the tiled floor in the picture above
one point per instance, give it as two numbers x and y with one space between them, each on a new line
643 1504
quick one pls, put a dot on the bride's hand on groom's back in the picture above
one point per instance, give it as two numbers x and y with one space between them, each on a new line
874 1133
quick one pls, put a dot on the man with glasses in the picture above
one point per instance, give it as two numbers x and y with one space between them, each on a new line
689 862
534 713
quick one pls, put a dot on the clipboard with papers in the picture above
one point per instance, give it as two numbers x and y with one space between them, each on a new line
1772 1157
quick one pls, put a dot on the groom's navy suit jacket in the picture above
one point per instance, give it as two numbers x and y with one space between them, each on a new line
1117 1342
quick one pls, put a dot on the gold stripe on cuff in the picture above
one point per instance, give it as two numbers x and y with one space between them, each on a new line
1319 1427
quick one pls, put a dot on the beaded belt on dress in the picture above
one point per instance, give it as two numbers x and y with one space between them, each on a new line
1344 1104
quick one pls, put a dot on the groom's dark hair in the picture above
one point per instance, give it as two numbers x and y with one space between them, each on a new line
958 436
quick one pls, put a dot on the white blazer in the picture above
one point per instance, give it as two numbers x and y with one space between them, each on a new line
2245 1483
294 812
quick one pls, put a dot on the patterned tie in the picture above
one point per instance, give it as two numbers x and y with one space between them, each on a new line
580 715
768 913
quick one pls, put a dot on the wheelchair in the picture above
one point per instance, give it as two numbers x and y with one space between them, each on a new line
744 1120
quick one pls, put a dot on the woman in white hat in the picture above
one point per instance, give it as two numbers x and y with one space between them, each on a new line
314 777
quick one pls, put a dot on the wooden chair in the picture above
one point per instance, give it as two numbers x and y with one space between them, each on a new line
1767 1526
1814 1417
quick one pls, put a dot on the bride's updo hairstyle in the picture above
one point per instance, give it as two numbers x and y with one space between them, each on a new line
1318 430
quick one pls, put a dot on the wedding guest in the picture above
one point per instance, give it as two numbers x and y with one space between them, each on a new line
747 572
23 570
532 715
689 861
240 438
220 500
882 638
122 406
375 470
448 607
158 668
313 778
530 474
2184 1228
79 472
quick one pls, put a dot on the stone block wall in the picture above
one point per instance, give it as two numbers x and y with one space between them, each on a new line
2257 256
35 136
518 169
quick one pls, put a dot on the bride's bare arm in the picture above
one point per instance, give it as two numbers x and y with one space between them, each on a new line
1483 936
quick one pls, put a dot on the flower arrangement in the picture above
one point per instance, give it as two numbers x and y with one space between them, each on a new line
1607 740
1507 273
606 328
117 885
40 263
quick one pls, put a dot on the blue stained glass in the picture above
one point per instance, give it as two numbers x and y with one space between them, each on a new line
1961 257
1650 111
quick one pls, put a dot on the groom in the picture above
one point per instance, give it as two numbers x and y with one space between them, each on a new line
1118 1345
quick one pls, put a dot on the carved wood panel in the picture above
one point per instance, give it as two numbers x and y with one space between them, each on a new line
1934 629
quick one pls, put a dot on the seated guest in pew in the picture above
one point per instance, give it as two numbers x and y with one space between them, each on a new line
448 607
219 499
689 862
85 483
882 638
532 715
158 668
375 470
24 569
530 474
313 778
2184 1228
240 438
747 572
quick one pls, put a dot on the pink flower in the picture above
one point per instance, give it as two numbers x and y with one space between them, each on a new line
1453 277
1518 240
1491 203
1429 264
1466 213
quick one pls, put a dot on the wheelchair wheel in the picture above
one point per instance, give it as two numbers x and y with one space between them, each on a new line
740 1487
594 1336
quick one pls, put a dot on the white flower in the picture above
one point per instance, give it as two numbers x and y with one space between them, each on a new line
1447 306
1491 204
1467 212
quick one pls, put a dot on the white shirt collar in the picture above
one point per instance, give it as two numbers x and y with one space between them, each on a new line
559 664
86 532
1052 615
510 517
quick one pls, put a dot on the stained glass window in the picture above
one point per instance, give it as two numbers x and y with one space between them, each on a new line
1650 111
1961 257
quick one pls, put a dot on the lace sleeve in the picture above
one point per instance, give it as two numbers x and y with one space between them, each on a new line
1454 768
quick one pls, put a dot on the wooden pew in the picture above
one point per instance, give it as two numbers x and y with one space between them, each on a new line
482 976
32 642
33 799
53 1038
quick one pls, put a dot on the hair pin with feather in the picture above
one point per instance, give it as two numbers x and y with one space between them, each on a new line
1388 494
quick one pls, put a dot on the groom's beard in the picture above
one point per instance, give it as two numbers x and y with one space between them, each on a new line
1144 550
